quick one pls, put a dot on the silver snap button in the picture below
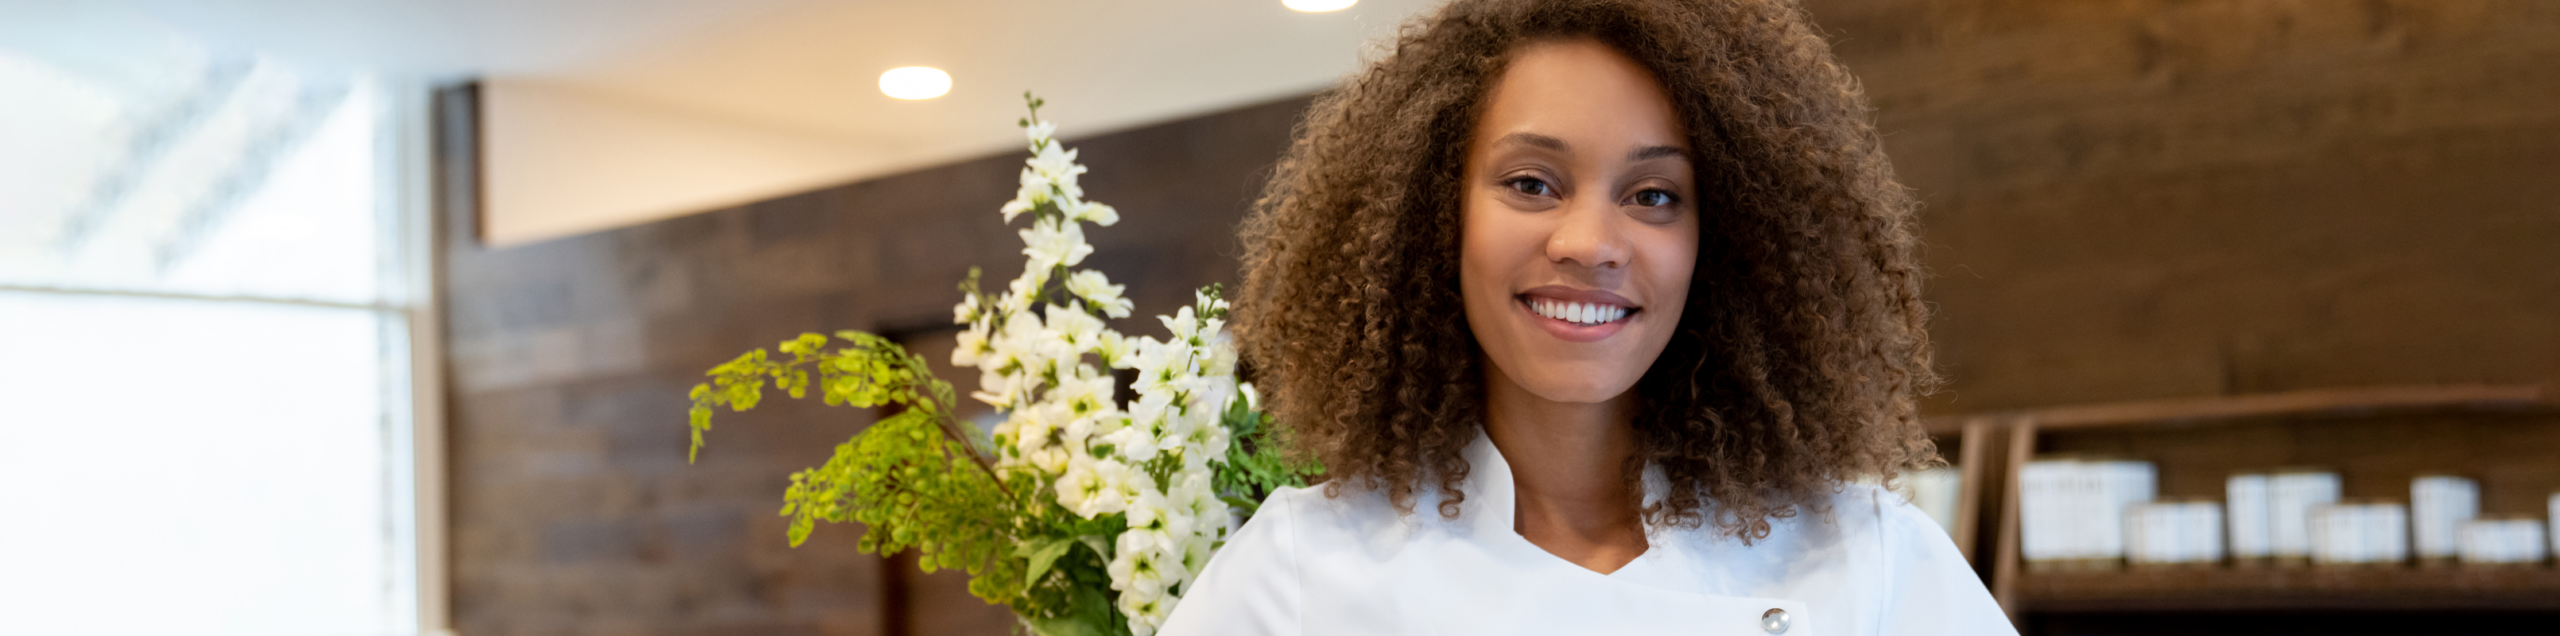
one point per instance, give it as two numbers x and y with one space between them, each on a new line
1774 621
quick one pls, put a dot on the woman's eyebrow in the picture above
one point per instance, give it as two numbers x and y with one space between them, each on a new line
1656 152
1534 140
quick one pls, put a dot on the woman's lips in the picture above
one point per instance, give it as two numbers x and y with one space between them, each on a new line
1577 315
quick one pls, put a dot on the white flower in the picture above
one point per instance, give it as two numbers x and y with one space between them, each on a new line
1040 132
1051 460
1058 165
1146 612
996 389
1193 556
1252 398
1164 524
1183 324
1034 190
966 312
1009 359
1221 362
1074 325
1216 443
1090 212
996 386
1021 292
1158 364
1114 349
971 349
1097 289
1136 569
1051 244
1210 515
1141 440
1115 478
1078 485
1086 394
1135 442
1033 430
1089 487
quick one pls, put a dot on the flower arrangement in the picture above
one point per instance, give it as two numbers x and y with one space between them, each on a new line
1085 515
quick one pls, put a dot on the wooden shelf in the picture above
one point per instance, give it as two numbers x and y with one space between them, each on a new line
2512 588
2252 589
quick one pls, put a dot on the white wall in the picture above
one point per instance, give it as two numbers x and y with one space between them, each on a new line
560 160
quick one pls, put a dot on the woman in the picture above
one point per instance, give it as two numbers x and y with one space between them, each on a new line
1597 312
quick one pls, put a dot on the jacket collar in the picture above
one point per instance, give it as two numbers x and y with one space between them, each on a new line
1489 507
1488 510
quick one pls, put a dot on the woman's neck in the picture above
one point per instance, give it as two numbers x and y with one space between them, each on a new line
1569 495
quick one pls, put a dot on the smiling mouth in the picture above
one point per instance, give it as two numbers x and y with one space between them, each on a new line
1578 313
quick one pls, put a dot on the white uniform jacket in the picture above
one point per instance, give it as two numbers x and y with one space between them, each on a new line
1317 566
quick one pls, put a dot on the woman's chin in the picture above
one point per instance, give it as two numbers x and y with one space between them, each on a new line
1573 388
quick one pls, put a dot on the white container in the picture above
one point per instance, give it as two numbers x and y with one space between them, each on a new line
2438 506
2504 541
2359 533
2073 509
2121 484
2201 533
2387 533
1935 492
2291 498
2246 498
2041 515
2173 532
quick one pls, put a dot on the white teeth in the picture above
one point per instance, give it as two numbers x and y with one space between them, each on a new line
1578 313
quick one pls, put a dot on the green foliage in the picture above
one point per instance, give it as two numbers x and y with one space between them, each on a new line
1255 466
915 478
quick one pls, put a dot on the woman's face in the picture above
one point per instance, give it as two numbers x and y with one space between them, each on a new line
1580 227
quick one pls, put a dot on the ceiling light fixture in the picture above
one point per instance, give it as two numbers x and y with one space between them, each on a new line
1319 6
916 82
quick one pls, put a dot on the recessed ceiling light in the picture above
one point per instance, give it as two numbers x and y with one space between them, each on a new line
1319 6
917 82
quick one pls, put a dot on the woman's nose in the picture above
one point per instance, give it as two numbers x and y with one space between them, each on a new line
1588 235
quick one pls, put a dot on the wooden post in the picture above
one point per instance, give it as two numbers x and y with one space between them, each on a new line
2004 578
1974 450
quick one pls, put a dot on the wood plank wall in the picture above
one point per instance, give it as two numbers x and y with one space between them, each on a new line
2168 198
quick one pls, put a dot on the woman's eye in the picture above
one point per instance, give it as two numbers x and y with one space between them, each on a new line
1531 186
1655 199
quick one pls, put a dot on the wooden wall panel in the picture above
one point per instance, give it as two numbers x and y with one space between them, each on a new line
2169 198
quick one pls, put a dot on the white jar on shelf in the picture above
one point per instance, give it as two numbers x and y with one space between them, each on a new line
2245 502
2438 506
2073 510
2174 532
2292 496
2503 541
2359 533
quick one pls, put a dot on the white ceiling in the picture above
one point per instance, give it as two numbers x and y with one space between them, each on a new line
802 69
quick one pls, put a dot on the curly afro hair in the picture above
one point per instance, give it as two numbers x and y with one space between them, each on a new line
1803 344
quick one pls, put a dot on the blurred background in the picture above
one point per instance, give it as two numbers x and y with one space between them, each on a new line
377 317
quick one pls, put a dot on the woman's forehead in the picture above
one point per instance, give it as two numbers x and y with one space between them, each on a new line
1578 96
